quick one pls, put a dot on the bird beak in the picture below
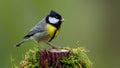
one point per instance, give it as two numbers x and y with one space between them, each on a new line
62 20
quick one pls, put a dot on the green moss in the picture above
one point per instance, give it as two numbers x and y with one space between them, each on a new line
31 59
12 62
77 59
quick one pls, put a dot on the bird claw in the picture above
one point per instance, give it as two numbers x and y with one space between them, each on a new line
56 47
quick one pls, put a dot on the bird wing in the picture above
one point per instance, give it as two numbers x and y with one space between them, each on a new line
40 27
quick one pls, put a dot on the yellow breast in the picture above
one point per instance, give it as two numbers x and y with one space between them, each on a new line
52 32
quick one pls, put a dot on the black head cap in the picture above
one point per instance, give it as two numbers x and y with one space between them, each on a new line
55 14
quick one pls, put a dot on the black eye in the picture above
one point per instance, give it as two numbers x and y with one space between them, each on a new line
56 17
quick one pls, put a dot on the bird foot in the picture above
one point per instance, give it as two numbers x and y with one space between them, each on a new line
56 47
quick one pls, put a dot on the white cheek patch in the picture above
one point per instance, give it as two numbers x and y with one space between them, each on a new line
53 20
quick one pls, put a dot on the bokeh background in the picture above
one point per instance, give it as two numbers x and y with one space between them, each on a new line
94 23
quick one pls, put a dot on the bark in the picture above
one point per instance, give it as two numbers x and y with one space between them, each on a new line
52 57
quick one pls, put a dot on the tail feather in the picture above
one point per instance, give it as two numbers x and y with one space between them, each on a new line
20 43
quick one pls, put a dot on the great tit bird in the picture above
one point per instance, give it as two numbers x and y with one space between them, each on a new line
46 30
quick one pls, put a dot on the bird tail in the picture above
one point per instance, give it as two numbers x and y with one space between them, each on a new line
21 42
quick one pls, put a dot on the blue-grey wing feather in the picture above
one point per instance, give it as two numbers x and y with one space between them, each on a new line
40 27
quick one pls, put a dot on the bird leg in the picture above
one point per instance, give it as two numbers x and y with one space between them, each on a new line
54 47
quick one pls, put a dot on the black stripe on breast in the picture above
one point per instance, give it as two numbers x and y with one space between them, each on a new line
53 36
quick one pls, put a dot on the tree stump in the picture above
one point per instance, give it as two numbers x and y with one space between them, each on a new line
52 57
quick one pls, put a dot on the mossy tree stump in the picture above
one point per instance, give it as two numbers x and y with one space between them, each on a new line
53 58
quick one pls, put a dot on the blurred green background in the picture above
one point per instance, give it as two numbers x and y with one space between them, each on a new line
94 23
